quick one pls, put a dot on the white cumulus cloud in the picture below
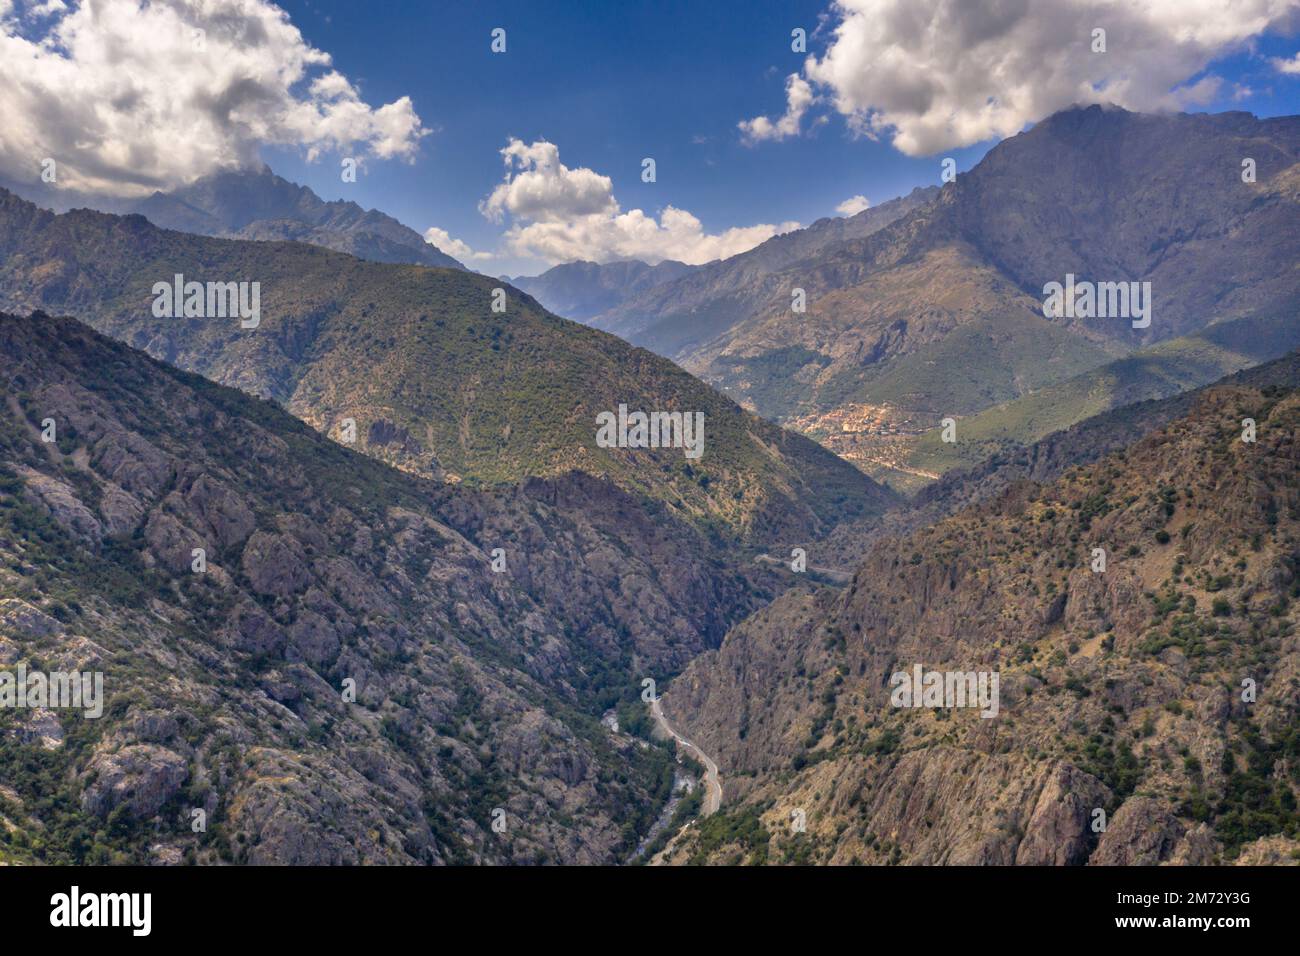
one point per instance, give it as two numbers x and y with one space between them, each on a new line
938 74
798 97
1291 66
559 214
456 248
853 205
128 97
539 187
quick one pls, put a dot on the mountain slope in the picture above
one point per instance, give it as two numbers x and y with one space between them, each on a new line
1151 198
1109 194
1042 461
581 290
1120 691
939 313
1162 370
672 318
436 381
475 690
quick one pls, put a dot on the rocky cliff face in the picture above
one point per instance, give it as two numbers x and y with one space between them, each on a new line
346 678
1160 692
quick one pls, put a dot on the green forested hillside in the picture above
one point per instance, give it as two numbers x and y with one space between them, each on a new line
436 381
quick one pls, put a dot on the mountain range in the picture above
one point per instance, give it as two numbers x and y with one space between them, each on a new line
435 380
366 585
673 317
581 290
935 307
255 203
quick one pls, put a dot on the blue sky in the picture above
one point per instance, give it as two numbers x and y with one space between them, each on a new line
611 83
887 88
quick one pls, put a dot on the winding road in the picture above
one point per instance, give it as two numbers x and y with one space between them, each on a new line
834 575
712 780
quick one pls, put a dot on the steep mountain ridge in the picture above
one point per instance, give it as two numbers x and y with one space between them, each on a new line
436 380
1098 192
1158 198
939 313
1160 692
258 204
475 689
672 318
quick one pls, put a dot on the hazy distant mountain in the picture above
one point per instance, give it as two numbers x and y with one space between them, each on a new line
435 379
670 318
258 204
581 290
